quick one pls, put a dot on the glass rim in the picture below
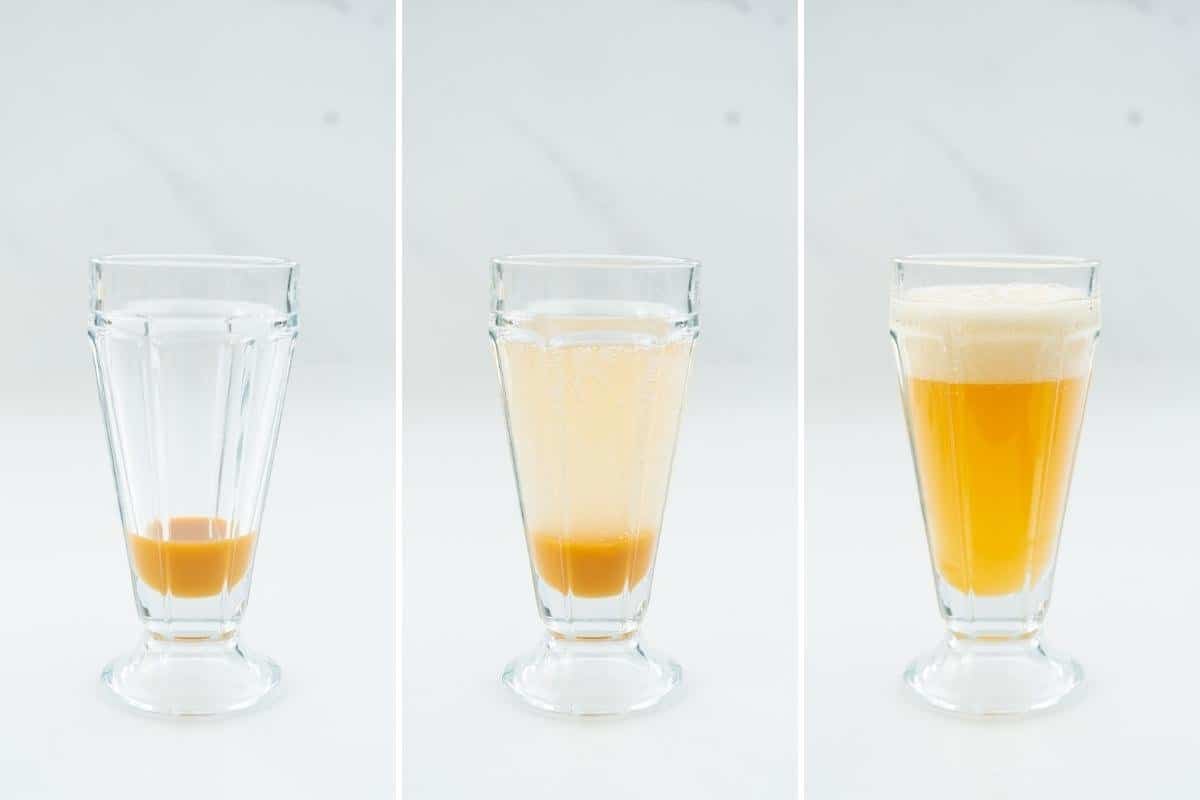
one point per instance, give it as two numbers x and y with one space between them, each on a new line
984 261
172 261
599 261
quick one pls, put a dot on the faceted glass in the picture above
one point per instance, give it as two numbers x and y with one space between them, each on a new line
192 357
593 354
995 359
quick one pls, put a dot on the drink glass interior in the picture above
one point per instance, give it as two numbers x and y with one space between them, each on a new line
994 356
192 356
593 354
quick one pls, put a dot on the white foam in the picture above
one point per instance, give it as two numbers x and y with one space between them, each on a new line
995 333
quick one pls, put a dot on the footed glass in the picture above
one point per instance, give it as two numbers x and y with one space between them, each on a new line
995 359
593 354
192 356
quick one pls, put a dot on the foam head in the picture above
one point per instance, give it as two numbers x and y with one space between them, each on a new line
995 333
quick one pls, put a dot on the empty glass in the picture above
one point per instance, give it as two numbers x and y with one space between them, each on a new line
593 354
192 356
995 359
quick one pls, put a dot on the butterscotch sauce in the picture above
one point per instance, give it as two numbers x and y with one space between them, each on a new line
593 566
193 557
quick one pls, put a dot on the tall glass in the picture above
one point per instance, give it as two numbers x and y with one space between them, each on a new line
995 358
593 354
192 356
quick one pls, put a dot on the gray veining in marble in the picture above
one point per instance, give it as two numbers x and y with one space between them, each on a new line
591 195
1063 126
997 198
260 127
664 127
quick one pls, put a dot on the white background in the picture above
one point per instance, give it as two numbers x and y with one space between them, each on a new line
663 127
1064 127
239 127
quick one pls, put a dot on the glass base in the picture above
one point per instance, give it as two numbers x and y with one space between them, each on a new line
592 677
203 678
993 677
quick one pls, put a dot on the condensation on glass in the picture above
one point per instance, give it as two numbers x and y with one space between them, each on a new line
995 359
593 354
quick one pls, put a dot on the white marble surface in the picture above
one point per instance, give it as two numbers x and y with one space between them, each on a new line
261 127
1062 127
1124 600
1067 126
663 127
248 127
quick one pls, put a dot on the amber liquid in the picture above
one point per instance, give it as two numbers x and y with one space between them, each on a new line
593 425
593 566
194 557
994 461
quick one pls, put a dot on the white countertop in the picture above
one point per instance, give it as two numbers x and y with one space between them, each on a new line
321 606
628 127
231 127
1124 600
1047 126
724 607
